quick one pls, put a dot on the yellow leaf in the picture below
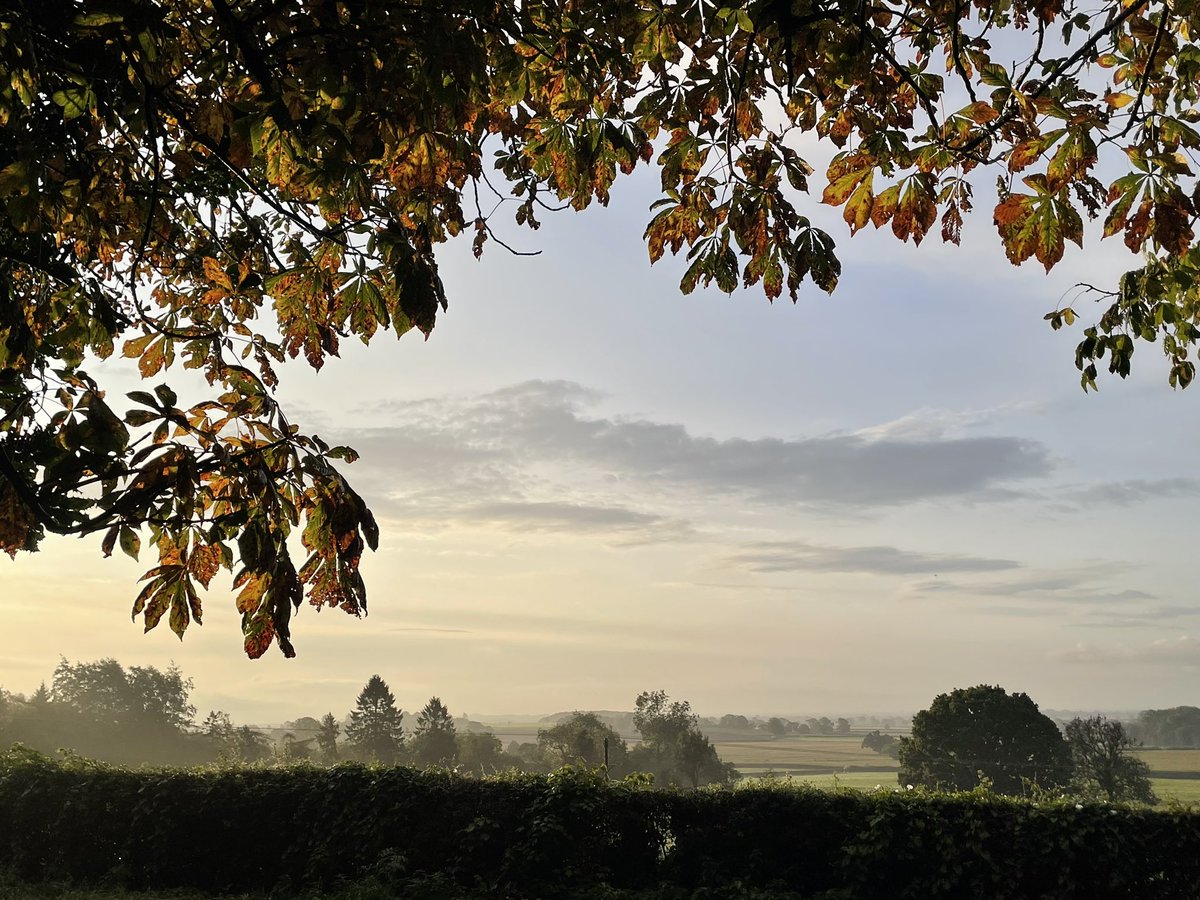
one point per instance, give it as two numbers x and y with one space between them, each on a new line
215 274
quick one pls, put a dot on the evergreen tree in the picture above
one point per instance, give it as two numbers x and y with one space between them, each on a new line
327 738
434 741
375 731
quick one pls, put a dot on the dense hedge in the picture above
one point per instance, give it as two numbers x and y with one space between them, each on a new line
571 834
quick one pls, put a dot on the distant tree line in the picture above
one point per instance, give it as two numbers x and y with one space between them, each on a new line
1178 726
967 738
141 715
672 750
780 727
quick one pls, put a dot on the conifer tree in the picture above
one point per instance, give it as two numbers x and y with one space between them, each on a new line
375 731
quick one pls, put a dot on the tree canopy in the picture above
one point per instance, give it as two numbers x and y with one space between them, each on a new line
983 732
673 748
1100 754
222 185
584 739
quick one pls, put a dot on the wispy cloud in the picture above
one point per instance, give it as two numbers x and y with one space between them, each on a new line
1127 493
1183 650
792 556
1086 585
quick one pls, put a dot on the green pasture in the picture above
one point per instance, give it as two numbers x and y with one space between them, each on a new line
840 762
1169 763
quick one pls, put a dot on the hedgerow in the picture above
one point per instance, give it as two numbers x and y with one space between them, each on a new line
293 830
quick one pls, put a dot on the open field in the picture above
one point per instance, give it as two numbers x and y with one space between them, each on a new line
1181 790
1172 763
859 781
808 755
841 762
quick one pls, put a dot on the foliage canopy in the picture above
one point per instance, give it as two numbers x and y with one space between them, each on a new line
1100 754
983 732
224 184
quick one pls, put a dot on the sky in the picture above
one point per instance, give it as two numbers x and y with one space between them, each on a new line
590 485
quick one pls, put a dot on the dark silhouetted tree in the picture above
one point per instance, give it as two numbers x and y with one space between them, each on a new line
880 743
984 732
673 749
433 742
375 732
1100 752
479 753
579 740
327 735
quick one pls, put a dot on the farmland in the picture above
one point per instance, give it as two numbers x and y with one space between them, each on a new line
806 756
841 762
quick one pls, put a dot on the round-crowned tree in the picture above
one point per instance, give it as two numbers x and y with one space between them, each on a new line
984 732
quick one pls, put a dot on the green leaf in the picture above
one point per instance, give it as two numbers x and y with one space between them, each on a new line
131 543
75 101
166 395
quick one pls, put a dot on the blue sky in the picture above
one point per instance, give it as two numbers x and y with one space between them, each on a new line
590 485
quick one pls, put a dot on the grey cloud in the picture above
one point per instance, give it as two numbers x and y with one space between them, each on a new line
1069 587
632 527
787 556
508 432
1126 493
539 516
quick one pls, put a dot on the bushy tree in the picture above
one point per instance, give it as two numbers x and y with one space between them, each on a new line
107 691
984 732
880 743
672 748
480 753
375 732
433 742
580 739
529 757
224 186
104 711
234 744
1100 753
